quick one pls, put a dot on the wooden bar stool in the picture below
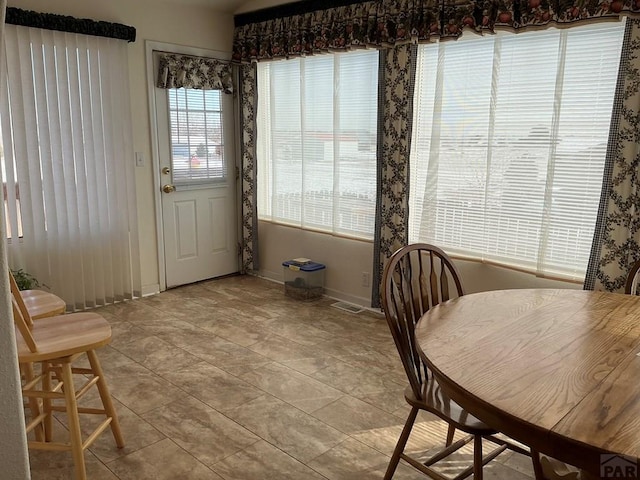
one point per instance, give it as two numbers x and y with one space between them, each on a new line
39 303
34 305
56 342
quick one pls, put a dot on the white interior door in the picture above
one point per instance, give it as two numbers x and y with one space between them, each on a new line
198 181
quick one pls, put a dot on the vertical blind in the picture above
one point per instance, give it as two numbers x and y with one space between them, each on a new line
67 164
510 137
316 143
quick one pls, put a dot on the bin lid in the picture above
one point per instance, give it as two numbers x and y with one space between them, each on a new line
305 267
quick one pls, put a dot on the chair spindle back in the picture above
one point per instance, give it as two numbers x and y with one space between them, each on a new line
416 279
633 279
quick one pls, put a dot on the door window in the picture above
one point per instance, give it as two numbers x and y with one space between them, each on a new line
196 136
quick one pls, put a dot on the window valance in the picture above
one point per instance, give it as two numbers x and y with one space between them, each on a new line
186 71
65 23
385 23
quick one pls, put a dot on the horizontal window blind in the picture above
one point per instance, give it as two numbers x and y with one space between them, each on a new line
317 134
510 136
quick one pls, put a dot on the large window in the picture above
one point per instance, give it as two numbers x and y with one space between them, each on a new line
509 142
317 123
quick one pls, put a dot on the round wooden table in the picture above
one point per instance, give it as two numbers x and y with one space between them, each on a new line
557 370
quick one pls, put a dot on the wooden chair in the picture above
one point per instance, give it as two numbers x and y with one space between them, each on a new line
56 342
633 277
39 303
417 278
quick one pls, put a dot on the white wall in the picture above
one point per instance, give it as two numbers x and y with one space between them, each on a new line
346 260
478 277
252 5
185 25
14 459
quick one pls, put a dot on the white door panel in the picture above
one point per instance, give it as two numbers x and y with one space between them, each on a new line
219 229
186 232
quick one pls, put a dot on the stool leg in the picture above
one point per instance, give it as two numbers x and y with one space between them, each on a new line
74 422
34 403
46 402
103 389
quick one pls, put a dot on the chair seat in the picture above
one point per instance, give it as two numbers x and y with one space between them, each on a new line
42 304
65 335
436 402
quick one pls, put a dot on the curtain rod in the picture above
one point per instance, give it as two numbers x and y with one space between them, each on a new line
65 23
289 10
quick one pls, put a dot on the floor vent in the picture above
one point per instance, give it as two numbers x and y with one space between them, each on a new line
348 307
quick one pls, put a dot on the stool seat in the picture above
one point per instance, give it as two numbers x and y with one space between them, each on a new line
64 335
42 304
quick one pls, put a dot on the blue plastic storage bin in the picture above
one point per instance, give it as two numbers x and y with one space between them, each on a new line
303 280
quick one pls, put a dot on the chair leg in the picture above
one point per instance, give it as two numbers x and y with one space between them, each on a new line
537 466
74 422
105 396
450 433
477 457
402 442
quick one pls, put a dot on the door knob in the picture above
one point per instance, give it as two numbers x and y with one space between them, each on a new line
166 170
168 188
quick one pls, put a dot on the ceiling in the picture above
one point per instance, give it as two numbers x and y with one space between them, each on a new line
231 6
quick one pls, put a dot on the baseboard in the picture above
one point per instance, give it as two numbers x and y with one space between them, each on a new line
148 290
345 297
329 292
277 277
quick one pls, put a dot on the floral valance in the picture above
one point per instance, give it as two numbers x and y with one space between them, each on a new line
385 23
186 71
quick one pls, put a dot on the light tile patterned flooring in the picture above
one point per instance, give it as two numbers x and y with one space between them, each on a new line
229 379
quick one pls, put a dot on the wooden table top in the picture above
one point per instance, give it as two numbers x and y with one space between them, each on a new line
555 369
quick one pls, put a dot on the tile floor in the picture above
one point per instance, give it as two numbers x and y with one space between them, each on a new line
229 379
